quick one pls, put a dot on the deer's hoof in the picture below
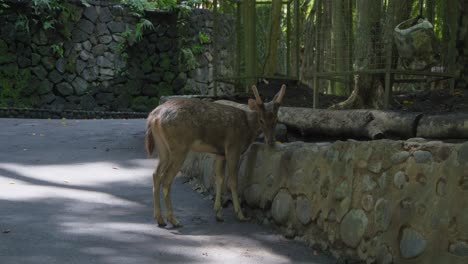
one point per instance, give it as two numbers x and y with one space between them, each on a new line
242 218
163 224
160 221
176 225
219 217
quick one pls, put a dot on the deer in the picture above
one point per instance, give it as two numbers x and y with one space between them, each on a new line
181 125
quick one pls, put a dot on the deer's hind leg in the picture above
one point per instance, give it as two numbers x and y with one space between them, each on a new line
177 158
220 165
158 175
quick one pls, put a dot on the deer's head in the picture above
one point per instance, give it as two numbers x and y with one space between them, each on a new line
267 113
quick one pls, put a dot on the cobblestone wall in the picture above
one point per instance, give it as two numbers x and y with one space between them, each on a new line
93 67
378 201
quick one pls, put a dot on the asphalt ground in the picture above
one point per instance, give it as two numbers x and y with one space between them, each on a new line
80 191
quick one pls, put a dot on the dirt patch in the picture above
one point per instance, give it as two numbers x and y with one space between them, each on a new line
428 101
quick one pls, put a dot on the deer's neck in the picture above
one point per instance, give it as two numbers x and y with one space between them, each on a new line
252 118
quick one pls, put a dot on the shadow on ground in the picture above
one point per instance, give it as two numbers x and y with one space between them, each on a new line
79 191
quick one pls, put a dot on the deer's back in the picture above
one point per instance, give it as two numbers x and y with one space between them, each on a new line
191 120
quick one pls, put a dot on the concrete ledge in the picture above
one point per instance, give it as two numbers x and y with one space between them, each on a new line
378 201
69 114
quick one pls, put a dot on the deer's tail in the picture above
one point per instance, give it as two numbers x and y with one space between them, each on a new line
149 139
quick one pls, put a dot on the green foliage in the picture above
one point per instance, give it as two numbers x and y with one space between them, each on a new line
139 6
3 6
187 59
197 49
204 38
57 49
135 35
22 23
144 103
164 90
12 83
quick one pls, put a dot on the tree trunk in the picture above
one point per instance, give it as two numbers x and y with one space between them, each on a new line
319 123
443 126
309 46
369 124
430 10
368 90
273 37
339 42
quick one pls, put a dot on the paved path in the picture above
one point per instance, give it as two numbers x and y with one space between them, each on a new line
79 191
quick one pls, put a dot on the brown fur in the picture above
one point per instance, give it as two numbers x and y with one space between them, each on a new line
182 125
149 140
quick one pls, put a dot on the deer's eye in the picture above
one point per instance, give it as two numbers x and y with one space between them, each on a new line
262 121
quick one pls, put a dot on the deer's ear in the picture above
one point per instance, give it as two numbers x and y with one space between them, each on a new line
253 105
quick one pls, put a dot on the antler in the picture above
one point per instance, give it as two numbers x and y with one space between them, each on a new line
257 96
279 96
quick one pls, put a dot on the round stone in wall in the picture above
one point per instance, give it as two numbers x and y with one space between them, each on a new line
384 255
368 184
421 156
383 180
342 190
441 187
463 153
459 248
353 227
303 210
400 179
383 214
65 88
412 243
367 202
280 208
253 195
399 157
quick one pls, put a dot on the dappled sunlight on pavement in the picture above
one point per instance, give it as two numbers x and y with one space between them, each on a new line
82 193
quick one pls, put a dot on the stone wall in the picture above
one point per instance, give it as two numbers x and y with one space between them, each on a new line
201 79
378 201
86 64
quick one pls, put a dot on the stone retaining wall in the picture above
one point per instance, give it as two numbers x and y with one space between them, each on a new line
378 201
87 64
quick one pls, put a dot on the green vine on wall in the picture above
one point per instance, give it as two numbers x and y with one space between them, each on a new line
14 83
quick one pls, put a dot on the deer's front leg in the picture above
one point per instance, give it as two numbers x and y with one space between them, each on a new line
233 171
220 165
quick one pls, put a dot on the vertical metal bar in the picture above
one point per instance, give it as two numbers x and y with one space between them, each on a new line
452 45
238 47
254 44
388 90
316 94
288 40
215 43
298 27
